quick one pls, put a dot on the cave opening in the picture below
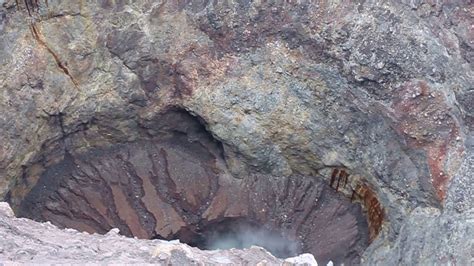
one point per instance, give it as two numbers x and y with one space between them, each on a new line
174 184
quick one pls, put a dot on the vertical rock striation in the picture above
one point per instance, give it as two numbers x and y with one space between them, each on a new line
177 186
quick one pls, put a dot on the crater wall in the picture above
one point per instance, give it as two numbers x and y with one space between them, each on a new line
288 90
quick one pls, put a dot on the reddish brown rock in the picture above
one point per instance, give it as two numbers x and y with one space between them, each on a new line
177 186
420 111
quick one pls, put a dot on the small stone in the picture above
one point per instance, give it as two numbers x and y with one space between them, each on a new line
5 210
113 231
163 256
303 259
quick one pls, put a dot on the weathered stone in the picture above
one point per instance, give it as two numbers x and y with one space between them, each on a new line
6 210
291 90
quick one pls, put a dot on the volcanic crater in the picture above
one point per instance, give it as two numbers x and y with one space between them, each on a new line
176 185
343 129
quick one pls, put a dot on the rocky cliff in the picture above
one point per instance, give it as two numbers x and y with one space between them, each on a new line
346 125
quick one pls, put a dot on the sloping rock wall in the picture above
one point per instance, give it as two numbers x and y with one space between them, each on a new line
291 88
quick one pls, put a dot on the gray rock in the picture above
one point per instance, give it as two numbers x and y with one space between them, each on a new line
383 90
5 210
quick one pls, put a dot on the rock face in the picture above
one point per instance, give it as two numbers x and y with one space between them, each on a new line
368 100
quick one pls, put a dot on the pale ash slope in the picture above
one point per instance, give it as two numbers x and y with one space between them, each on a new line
27 241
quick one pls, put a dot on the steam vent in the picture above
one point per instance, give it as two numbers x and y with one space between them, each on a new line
237 132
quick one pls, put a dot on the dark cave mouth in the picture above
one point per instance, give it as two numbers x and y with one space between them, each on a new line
240 233
143 189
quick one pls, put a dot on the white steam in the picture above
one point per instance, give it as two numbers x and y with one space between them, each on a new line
244 236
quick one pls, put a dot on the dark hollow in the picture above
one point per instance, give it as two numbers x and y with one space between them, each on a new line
175 184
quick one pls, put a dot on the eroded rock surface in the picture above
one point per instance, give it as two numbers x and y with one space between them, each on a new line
290 91
177 186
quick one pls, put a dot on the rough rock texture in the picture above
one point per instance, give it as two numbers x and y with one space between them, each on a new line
381 90
26 241
176 187
430 235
